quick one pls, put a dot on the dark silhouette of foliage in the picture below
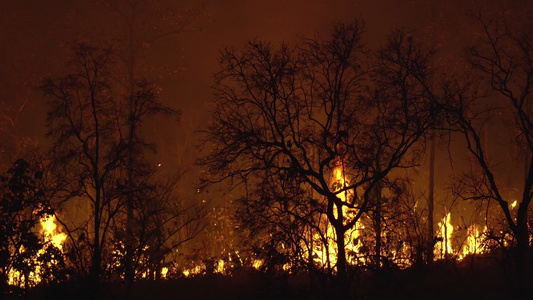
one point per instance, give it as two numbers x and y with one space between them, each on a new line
304 111
502 67
161 223
119 215
22 249
93 132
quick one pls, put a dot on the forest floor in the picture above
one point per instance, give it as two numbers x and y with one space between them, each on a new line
464 280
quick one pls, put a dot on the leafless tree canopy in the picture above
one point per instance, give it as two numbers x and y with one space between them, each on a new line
302 111
97 151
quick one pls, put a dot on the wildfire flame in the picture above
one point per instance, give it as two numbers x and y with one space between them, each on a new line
50 235
322 251
444 230
322 254
513 205
50 232
473 242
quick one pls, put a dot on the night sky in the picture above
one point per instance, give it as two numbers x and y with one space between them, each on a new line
36 36
179 43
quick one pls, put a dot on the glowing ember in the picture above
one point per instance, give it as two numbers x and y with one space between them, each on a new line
164 272
257 263
220 266
194 271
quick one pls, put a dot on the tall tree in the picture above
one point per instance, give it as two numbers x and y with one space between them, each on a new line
92 134
140 25
308 110
503 66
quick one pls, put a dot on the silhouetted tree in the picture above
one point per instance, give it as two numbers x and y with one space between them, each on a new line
305 111
92 132
405 235
502 64
283 224
161 222
23 203
138 27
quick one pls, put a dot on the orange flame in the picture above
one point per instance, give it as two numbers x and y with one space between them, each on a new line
445 230
51 235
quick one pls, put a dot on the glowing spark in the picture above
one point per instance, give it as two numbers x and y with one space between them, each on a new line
257 263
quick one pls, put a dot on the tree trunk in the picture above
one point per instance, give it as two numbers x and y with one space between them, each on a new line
522 252
3 282
129 273
96 259
377 224
343 289
342 278
128 256
96 264
430 236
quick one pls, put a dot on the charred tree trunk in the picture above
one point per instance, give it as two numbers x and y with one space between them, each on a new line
431 230
129 273
96 263
522 255
128 256
521 232
342 276
3 282
96 255
377 224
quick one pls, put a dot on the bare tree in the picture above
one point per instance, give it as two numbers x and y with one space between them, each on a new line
160 223
140 25
502 64
283 224
308 110
92 135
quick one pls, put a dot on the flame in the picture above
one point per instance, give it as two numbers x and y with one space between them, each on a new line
49 230
257 263
50 235
401 257
193 271
164 272
324 252
473 243
445 230
220 266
